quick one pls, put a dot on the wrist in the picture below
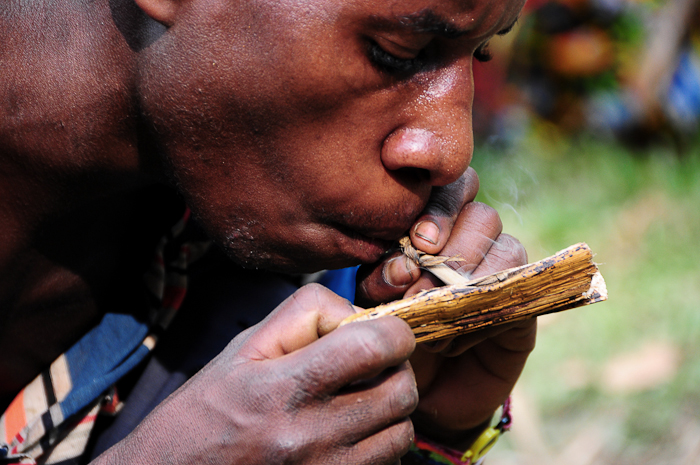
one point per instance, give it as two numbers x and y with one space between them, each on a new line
455 439
466 447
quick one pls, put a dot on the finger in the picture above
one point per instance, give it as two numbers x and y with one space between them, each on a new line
436 346
301 319
479 226
368 406
427 359
506 252
434 226
393 277
369 412
386 447
505 353
425 366
463 381
475 231
354 352
488 373
458 345
385 281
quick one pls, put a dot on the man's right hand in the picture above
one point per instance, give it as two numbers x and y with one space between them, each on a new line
281 393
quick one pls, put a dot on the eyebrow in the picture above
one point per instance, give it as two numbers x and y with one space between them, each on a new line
428 22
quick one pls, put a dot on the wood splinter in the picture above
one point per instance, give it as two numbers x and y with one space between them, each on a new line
567 279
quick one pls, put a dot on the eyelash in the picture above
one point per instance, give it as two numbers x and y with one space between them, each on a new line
483 54
402 66
392 64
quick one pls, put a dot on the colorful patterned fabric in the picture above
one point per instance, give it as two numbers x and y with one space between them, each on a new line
594 67
428 453
50 420
424 451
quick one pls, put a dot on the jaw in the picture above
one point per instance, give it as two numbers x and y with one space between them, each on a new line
303 248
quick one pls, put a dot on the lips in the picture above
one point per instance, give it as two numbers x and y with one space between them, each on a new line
368 244
384 238
360 246
368 226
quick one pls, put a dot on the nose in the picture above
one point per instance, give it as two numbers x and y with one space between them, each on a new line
436 137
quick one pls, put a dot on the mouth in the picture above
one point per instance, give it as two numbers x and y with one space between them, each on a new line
365 246
368 237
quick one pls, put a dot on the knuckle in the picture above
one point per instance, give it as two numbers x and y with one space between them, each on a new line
284 447
368 292
442 205
383 340
487 215
448 200
372 343
310 382
513 249
315 299
471 179
405 399
403 438
307 297
313 291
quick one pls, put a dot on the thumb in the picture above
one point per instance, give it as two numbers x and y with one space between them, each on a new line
305 316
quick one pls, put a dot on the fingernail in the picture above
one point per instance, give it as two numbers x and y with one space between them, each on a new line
427 230
399 271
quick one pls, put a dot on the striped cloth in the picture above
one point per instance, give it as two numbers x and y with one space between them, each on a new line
50 420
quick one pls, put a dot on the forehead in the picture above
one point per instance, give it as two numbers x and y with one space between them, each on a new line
460 11
450 18
456 16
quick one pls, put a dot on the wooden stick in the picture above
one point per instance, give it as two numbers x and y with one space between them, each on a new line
566 280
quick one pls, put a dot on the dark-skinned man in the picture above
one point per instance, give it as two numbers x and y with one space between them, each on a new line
302 136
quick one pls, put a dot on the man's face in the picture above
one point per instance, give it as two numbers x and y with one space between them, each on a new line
308 134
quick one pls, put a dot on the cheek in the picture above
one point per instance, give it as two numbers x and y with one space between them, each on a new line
268 143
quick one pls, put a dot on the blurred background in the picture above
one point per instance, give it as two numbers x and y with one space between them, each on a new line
586 125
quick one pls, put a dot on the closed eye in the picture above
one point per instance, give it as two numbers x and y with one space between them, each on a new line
392 64
402 66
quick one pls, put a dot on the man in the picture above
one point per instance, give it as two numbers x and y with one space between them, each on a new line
303 135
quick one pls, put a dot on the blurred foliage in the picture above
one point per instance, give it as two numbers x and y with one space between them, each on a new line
586 124
617 69
640 213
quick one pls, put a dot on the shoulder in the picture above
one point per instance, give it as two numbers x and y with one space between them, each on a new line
65 76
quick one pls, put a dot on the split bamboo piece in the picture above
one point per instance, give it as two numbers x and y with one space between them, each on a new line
566 280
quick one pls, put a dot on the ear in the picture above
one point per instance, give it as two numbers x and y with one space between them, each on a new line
163 11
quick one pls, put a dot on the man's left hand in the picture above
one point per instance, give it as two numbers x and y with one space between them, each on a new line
462 380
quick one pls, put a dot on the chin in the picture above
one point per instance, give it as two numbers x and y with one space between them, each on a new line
292 261
314 249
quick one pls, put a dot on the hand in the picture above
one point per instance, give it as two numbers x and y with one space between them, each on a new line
393 277
281 393
461 381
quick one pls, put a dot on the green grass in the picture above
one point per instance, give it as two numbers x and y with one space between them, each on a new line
640 213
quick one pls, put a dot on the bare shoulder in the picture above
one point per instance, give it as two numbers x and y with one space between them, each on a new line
65 78
66 109
68 148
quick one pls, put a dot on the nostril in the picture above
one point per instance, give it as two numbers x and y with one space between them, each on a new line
422 174
411 174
